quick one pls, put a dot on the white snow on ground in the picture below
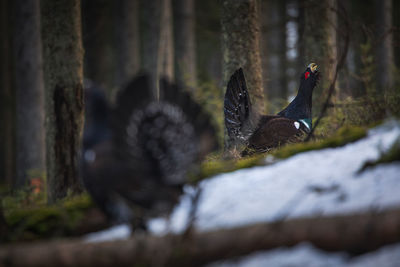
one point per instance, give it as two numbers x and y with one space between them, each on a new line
306 255
323 182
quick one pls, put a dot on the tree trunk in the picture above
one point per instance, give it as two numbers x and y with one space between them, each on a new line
185 51
7 96
357 233
157 41
63 76
240 46
166 42
320 41
127 40
384 52
3 224
274 52
151 34
301 62
97 40
29 92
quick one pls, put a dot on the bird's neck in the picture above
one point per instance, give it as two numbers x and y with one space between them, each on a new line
303 102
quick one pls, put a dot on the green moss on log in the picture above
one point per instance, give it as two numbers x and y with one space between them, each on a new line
34 220
344 135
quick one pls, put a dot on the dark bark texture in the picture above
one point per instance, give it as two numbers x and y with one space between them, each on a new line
29 91
356 233
63 71
241 45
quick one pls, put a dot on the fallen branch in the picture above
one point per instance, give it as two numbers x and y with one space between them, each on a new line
354 233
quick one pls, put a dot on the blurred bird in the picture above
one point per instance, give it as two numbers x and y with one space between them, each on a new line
139 172
260 133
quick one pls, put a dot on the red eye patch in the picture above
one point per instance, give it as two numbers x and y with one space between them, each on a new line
306 75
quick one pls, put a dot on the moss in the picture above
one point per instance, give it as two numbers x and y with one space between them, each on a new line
217 166
28 221
344 135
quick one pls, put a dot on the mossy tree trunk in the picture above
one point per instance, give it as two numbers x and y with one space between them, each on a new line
127 40
63 76
7 96
320 41
241 46
384 50
29 92
185 45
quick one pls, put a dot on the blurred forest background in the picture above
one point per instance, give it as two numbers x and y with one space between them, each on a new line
198 44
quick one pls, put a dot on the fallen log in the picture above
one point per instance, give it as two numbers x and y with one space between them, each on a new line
356 233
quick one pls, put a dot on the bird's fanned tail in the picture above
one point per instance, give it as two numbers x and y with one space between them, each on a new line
240 120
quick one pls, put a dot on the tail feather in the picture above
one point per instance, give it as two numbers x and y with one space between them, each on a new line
240 120
196 115
134 96
162 138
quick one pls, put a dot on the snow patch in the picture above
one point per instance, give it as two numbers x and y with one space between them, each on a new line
323 182
306 255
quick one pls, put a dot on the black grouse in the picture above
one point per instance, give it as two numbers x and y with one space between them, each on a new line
260 133
140 170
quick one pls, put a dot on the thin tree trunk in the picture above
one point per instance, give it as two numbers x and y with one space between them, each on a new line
127 40
301 62
97 39
352 233
320 40
63 76
185 52
384 52
7 96
158 55
241 46
166 44
29 90
274 51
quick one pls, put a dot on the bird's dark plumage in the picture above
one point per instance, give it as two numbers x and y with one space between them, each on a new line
262 132
139 172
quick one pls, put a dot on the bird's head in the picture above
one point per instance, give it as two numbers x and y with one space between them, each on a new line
310 76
